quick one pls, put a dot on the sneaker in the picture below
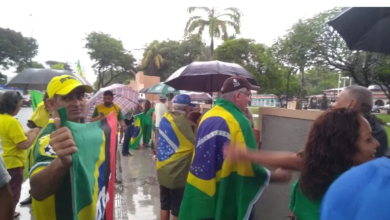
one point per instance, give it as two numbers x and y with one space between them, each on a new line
27 201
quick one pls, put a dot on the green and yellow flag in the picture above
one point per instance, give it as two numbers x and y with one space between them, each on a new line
137 131
217 189
36 99
176 142
79 69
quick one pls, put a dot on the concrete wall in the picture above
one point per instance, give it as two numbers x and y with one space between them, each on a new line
281 130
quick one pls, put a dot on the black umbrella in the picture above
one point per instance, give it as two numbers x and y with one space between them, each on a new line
144 90
37 79
206 76
364 28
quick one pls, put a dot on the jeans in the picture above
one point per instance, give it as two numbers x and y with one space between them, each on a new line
126 142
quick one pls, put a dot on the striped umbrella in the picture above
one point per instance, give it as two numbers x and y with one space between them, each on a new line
125 97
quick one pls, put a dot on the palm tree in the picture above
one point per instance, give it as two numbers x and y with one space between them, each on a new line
153 60
216 22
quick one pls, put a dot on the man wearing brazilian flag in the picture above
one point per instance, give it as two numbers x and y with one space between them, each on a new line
176 141
51 153
219 189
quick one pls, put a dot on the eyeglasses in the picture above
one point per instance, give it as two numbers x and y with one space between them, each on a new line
247 94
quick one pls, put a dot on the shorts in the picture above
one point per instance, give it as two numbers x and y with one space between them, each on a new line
170 199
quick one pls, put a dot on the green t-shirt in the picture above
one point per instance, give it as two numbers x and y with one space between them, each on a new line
303 207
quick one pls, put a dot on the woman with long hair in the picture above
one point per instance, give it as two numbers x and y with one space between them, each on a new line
338 140
14 141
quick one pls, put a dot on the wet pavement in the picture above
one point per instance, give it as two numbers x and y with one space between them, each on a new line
141 186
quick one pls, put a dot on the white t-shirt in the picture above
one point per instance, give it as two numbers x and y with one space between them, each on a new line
160 110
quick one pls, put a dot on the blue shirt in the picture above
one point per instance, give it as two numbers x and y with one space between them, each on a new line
362 193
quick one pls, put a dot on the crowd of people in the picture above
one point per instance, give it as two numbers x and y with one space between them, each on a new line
208 166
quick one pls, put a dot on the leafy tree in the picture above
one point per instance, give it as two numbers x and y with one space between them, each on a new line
216 23
15 49
330 50
121 78
271 75
52 63
294 50
176 54
319 79
58 66
33 64
153 61
110 57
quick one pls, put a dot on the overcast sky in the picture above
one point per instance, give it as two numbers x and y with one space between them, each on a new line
60 26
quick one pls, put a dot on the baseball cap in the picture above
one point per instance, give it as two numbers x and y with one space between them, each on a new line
63 85
182 99
163 96
235 83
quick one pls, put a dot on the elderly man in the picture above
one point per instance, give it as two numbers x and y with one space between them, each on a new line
52 152
361 98
174 154
216 188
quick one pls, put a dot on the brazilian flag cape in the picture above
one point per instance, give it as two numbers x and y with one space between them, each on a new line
217 189
87 191
176 142
139 121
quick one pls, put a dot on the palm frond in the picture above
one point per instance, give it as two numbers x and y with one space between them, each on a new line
158 61
163 50
235 26
197 24
189 22
192 9
223 27
146 59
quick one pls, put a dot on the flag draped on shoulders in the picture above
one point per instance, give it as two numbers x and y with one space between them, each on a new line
176 142
137 131
93 168
217 189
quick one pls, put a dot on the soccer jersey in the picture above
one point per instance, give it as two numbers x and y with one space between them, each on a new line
59 205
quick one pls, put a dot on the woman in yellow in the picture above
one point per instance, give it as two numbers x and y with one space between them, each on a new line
40 117
14 141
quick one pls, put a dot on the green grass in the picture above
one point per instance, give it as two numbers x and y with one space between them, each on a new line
386 119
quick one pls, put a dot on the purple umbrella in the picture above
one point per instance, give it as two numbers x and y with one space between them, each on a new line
206 76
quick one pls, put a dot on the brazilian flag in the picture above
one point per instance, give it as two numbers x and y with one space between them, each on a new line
137 131
217 189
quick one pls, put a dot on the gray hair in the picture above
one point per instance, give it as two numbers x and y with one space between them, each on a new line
230 95
179 107
363 97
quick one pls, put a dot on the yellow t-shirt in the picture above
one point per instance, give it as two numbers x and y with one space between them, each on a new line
40 116
11 134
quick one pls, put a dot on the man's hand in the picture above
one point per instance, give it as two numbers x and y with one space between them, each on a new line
234 153
281 175
101 114
32 133
62 143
